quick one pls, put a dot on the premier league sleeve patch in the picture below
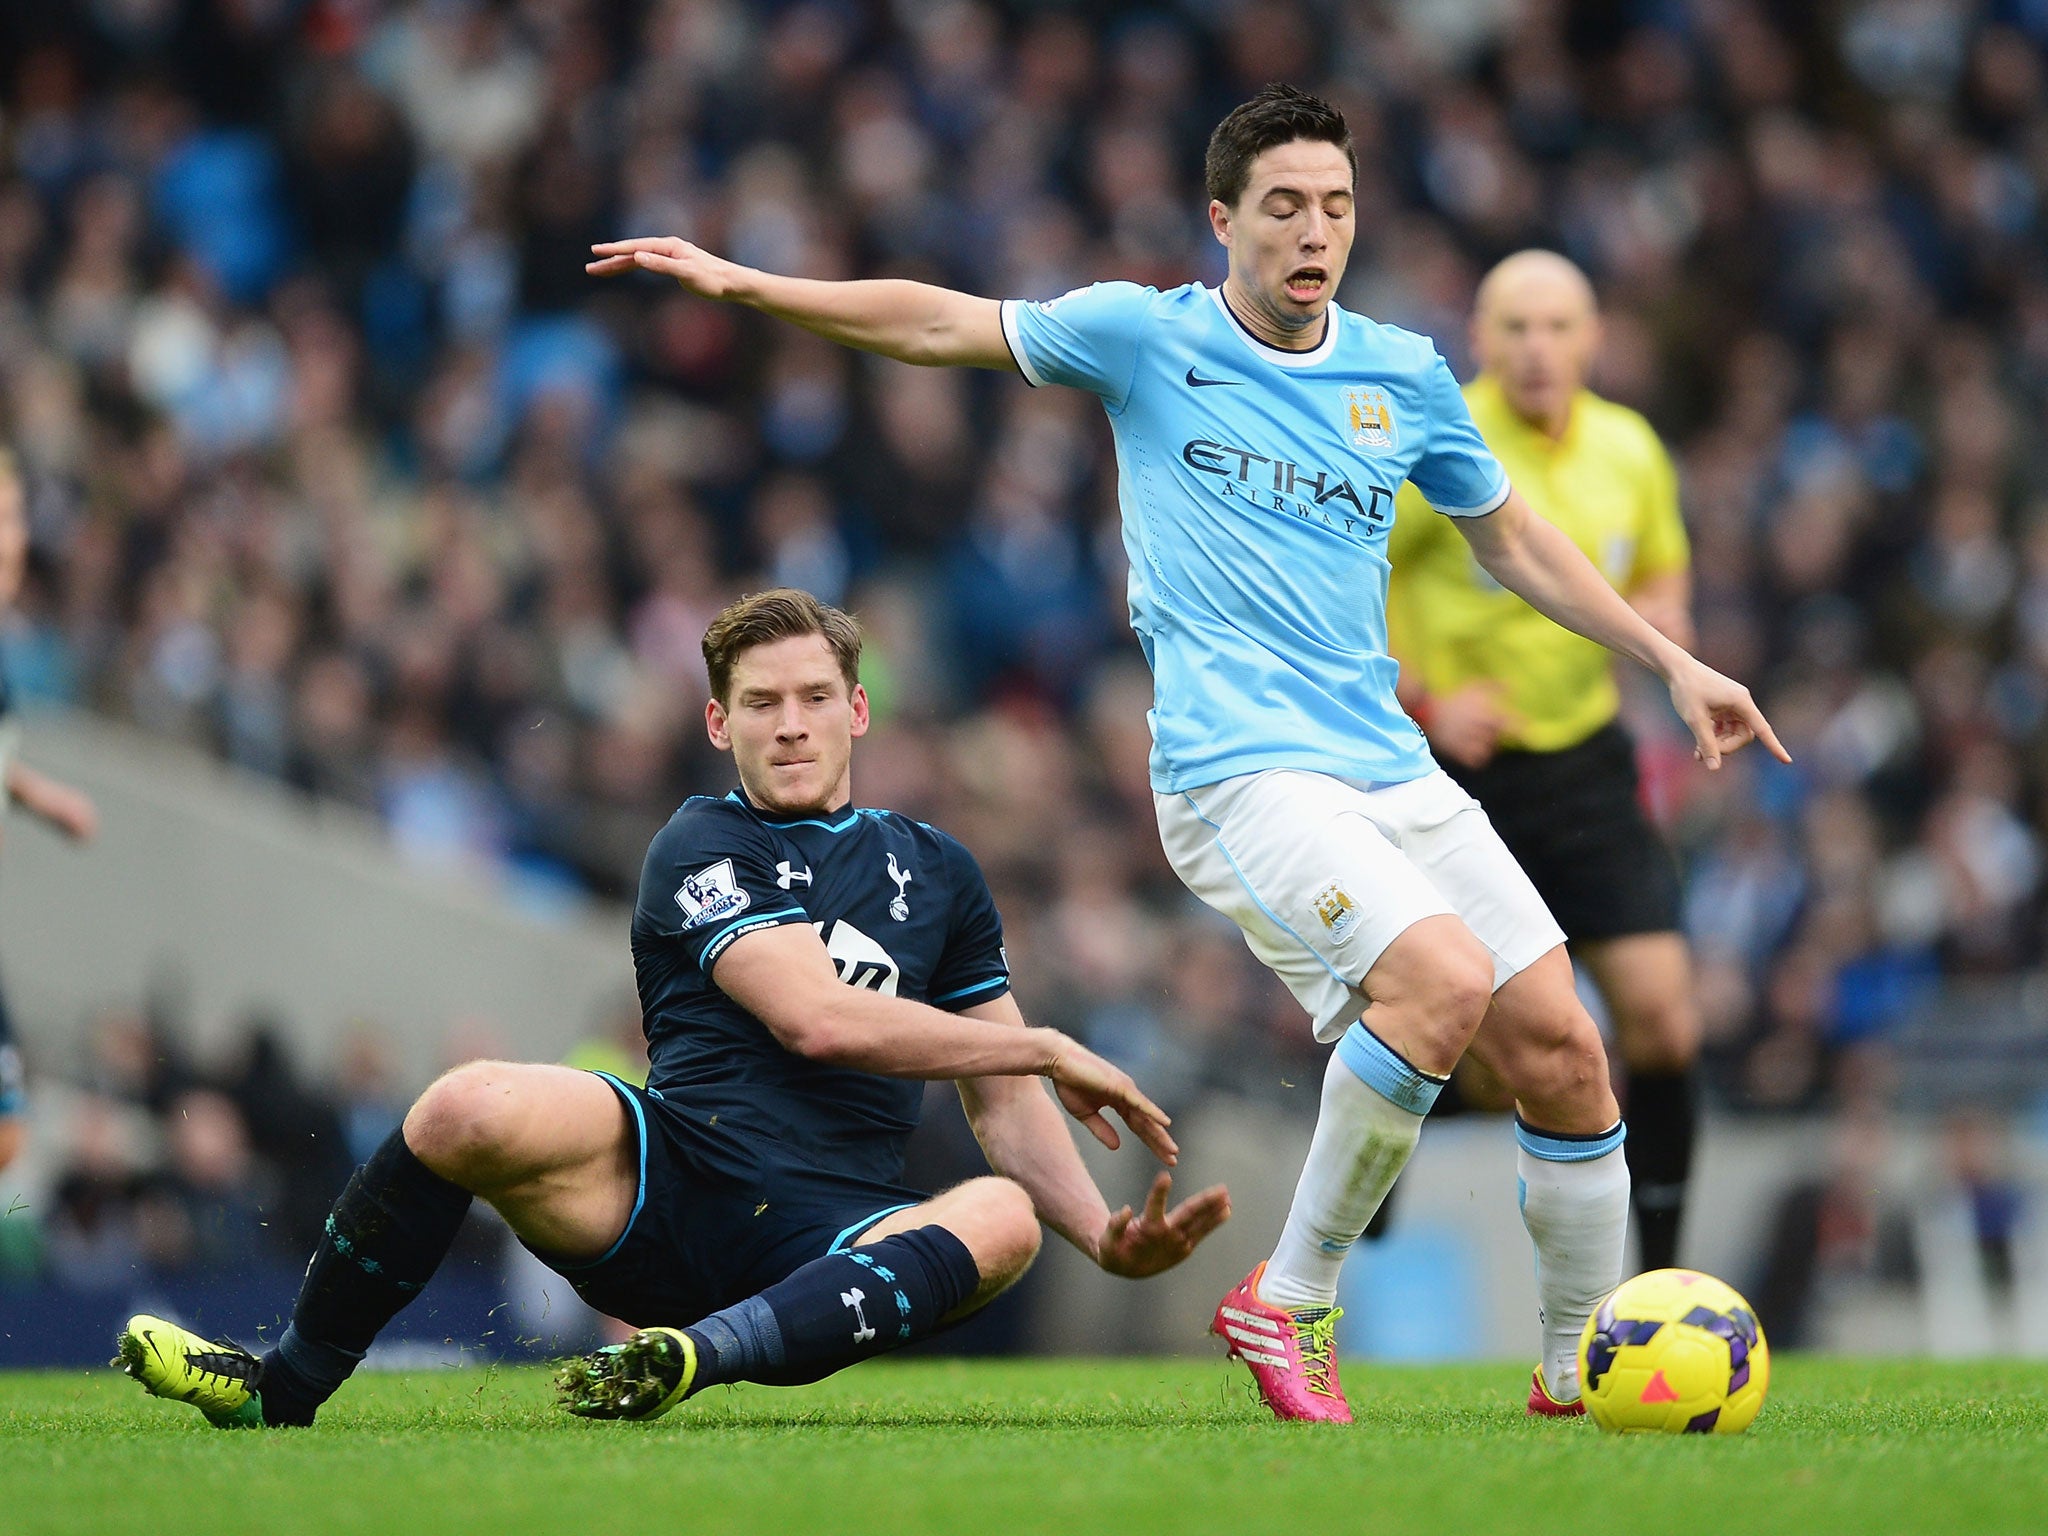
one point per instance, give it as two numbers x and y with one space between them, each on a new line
711 894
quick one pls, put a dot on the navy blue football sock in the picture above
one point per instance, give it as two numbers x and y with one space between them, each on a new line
385 1237
1662 1110
838 1310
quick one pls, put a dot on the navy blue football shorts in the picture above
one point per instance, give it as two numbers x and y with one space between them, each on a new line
720 1215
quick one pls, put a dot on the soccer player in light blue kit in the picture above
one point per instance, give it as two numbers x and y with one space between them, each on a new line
1261 432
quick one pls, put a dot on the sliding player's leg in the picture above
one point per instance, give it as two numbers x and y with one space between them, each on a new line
872 1288
550 1147
1569 1137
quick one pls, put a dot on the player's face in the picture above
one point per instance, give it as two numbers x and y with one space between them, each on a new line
789 723
1289 238
1536 332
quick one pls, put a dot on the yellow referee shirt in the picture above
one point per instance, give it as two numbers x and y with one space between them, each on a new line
1610 485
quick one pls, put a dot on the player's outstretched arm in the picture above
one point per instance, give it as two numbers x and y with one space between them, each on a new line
911 322
784 977
1537 562
1025 1138
69 810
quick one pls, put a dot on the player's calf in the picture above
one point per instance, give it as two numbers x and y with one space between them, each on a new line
1574 1182
383 1240
833 1312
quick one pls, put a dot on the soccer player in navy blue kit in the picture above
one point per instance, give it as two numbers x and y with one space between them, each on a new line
804 966
1261 432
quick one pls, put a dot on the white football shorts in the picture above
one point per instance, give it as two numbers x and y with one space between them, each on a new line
1322 874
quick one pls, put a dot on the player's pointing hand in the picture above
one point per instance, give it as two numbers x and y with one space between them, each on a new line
1087 1085
695 268
1721 715
1156 1239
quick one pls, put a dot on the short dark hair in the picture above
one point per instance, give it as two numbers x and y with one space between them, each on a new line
781 613
1279 114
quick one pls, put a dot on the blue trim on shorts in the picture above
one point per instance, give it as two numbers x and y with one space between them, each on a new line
1381 1068
640 1194
839 1242
1224 849
1557 1147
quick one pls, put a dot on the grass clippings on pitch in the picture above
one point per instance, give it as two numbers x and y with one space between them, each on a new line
1116 1447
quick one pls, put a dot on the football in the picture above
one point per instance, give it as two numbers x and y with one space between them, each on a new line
1677 1352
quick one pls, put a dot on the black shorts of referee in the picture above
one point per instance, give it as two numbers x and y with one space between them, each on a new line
1574 821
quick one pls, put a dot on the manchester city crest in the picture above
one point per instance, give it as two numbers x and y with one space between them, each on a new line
1338 911
1372 418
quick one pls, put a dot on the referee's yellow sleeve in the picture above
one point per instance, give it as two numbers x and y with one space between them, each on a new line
1663 546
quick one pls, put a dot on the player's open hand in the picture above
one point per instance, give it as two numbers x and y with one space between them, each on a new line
1155 1238
1721 715
692 266
1087 1085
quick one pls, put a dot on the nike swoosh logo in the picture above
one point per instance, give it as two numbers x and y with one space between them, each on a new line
1196 381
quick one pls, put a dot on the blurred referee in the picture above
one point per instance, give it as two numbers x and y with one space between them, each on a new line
1523 712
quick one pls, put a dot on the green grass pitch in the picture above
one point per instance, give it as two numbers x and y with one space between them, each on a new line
987 1449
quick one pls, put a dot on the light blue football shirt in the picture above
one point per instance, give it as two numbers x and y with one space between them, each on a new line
1257 488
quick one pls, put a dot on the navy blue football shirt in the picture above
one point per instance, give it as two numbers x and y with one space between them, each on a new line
903 910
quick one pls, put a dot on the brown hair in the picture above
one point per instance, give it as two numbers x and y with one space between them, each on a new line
781 613
1279 114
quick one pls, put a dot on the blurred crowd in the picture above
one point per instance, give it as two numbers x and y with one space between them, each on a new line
163 1165
154 1160
339 464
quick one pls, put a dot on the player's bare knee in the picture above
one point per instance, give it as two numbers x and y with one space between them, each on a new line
459 1125
1465 988
1450 1003
1015 1222
1563 1078
1429 993
1001 1231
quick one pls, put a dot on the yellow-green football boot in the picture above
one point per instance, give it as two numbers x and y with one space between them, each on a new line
217 1379
640 1379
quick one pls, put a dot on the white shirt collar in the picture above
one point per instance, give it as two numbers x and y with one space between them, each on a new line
1319 353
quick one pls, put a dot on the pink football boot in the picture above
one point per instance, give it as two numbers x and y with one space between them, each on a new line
1292 1355
1543 1405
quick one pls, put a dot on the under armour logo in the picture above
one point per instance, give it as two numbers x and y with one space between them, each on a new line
899 906
853 1299
787 876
